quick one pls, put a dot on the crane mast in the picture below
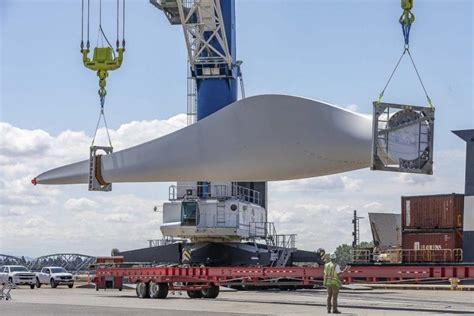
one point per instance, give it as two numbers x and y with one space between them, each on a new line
209 33
213 77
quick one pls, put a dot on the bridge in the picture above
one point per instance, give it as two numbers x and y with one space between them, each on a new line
72 262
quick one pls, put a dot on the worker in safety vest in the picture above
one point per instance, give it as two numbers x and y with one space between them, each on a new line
332 271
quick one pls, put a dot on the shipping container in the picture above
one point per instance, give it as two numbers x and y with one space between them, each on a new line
432 211
432 247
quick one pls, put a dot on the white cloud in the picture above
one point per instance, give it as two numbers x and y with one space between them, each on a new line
310 184
44 219
374 207
351 184
119 218
320 184
416 179
16 141
79 204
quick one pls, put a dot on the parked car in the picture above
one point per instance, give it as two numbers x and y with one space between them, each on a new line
54 276
18 275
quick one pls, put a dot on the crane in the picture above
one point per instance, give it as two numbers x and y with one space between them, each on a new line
223 160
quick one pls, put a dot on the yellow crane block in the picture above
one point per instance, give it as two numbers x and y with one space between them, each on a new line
102 62
407 17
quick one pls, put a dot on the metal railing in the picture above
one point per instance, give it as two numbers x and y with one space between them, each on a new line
167 240
246 194
267 231
261 229
217 191
408 255
285 241
182 192
432 255
361 255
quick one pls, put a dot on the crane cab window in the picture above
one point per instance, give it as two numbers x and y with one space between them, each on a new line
189 213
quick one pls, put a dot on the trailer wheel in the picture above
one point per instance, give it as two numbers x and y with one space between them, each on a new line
211 292
194 294
143 289
158 290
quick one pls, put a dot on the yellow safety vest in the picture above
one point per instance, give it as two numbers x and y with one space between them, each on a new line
330 276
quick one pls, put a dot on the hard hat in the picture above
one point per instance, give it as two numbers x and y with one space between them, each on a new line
332 256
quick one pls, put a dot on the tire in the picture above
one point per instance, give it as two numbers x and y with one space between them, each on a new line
38 283
32 286
143 289
159 290
211 292
194 294
70 286
97 287
53 284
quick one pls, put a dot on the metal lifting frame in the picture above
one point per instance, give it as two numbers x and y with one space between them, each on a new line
96 182
380 145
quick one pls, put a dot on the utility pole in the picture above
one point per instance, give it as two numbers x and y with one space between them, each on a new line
356 231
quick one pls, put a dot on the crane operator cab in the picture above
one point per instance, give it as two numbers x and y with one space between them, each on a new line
214 211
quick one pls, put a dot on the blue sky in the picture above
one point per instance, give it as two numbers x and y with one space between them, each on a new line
336 51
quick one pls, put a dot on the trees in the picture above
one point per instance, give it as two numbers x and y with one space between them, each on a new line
114 252
343 254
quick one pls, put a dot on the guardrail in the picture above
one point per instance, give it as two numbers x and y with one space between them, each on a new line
246 194
408 255
267 230
164 241
432 255
217 191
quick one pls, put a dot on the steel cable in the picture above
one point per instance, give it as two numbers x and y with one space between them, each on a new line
123 23
419 78
391 76
82 25
102 115
88 22
117 42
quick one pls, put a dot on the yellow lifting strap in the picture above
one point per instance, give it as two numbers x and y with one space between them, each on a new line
102 62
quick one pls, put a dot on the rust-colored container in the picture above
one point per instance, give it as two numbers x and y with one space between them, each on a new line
432 247
432 240
432 211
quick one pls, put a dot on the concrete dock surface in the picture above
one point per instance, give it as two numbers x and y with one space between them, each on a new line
79 301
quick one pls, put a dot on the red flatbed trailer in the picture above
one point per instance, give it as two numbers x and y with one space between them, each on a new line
205 281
